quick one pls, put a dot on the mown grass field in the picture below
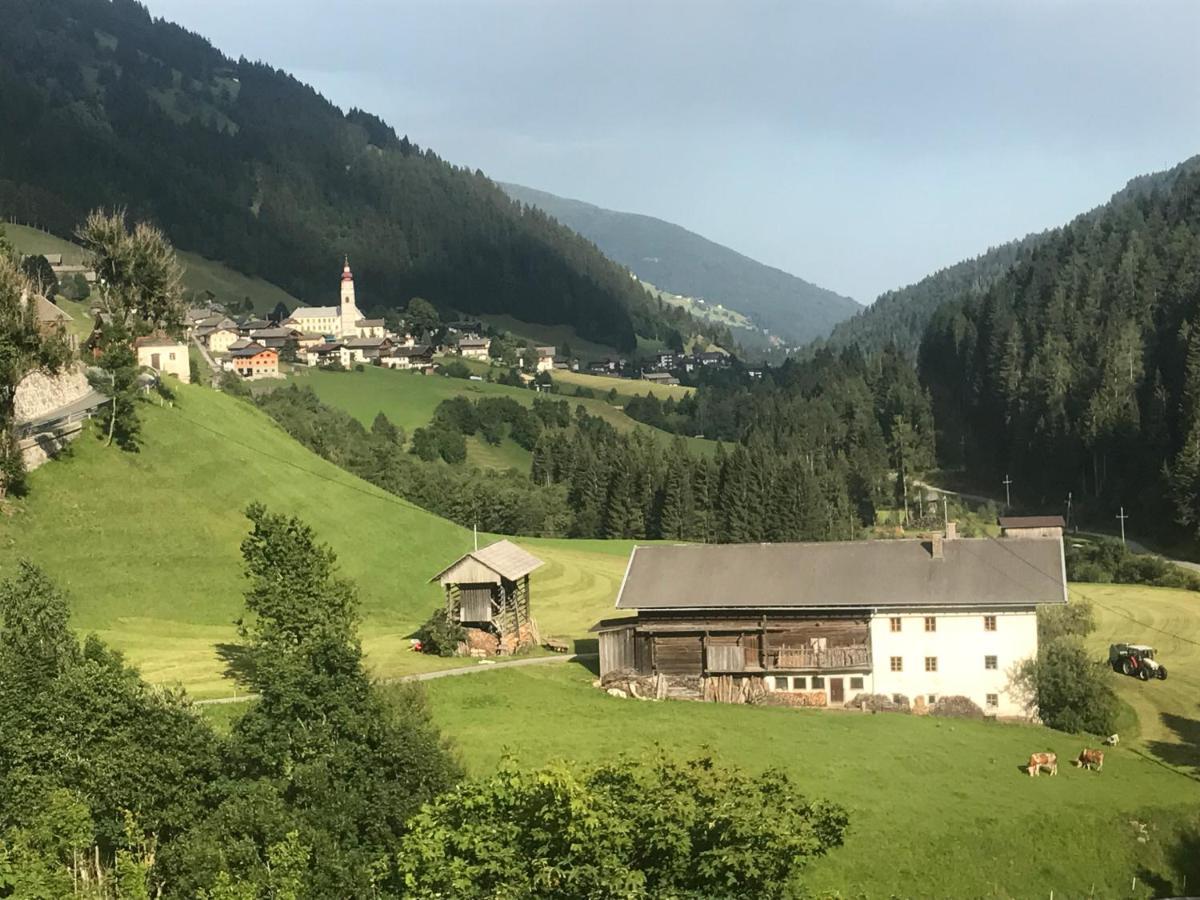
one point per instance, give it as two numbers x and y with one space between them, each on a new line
199 274
1168 711
938 807
147 543
625 387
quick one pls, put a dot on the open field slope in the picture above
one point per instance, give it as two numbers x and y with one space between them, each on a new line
147 543
199 274
409 399
938 807
1168 711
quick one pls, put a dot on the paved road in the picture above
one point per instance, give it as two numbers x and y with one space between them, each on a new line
439 673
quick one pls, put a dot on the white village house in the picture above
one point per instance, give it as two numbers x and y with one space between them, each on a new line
826 622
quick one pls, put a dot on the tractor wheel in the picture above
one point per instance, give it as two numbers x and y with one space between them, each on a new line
1162 673
1143 674
1127 666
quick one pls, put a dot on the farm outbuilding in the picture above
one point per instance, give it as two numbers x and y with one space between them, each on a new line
489 589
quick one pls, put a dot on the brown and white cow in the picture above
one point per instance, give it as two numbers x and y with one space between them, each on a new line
1039 761
1091 759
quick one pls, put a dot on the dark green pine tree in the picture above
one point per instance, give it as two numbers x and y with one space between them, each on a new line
678 507
587 494
738 514
705 479
620 508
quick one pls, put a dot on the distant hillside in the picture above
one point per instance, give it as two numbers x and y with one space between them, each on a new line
902 315
240 162
682 262
1078 370
200 276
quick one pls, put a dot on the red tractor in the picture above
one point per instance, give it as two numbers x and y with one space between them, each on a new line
1136 659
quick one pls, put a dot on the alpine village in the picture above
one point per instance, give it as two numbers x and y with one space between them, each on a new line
373 528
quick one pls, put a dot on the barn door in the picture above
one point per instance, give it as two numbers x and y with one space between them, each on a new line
837 693
155 361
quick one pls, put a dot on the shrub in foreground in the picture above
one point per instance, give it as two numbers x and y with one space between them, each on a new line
440 634
680 829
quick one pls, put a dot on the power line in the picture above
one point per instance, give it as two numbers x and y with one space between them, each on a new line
1115 612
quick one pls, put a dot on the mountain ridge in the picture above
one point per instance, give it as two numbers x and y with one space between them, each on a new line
683 262
240 162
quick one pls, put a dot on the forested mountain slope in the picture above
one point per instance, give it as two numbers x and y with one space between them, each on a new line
1079 369
240 162
683 262
900 316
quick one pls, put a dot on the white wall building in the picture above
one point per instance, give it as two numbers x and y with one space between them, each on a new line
165 355
342 321
925 619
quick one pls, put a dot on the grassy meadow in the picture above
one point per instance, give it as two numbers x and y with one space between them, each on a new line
409 400
199 274
939 807
147 543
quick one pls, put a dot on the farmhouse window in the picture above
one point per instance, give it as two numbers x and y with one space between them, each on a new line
781 683
856 684
989 623
930 623
931 664
799 683
989 662
897 664
932 699
894 622
818 683
993 700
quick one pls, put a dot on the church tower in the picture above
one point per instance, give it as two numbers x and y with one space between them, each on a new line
349 309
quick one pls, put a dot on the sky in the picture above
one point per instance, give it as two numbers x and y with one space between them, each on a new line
859 144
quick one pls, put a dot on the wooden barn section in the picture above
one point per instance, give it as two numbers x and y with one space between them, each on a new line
721 642
489 589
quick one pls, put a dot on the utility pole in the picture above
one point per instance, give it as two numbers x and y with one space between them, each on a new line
1122 517
1007 482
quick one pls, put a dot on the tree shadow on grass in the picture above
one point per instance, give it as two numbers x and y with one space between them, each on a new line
1181 862
1183 753
239 664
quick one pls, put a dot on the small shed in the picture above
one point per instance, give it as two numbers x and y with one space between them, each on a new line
489 589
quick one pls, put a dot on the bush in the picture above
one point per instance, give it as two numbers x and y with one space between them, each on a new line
956 707
454 369
686 829
1109 561
1073 692
440 634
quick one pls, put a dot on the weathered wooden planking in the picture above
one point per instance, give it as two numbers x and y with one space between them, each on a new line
616 651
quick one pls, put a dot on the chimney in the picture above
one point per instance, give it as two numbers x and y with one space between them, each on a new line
936 550
951 530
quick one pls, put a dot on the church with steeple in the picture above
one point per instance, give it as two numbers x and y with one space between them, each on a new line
343 321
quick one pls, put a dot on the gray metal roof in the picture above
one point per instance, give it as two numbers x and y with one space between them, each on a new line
973 572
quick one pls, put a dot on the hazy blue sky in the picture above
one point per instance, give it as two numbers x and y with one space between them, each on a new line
859 145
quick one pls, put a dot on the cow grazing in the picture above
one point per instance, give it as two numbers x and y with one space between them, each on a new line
1089 759
1039 761
1112 740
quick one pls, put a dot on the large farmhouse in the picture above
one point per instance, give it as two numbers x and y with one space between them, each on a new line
829 621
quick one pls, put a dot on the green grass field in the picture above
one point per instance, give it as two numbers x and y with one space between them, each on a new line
625 387
1168 711
409 399
147 543
199 274
938 807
